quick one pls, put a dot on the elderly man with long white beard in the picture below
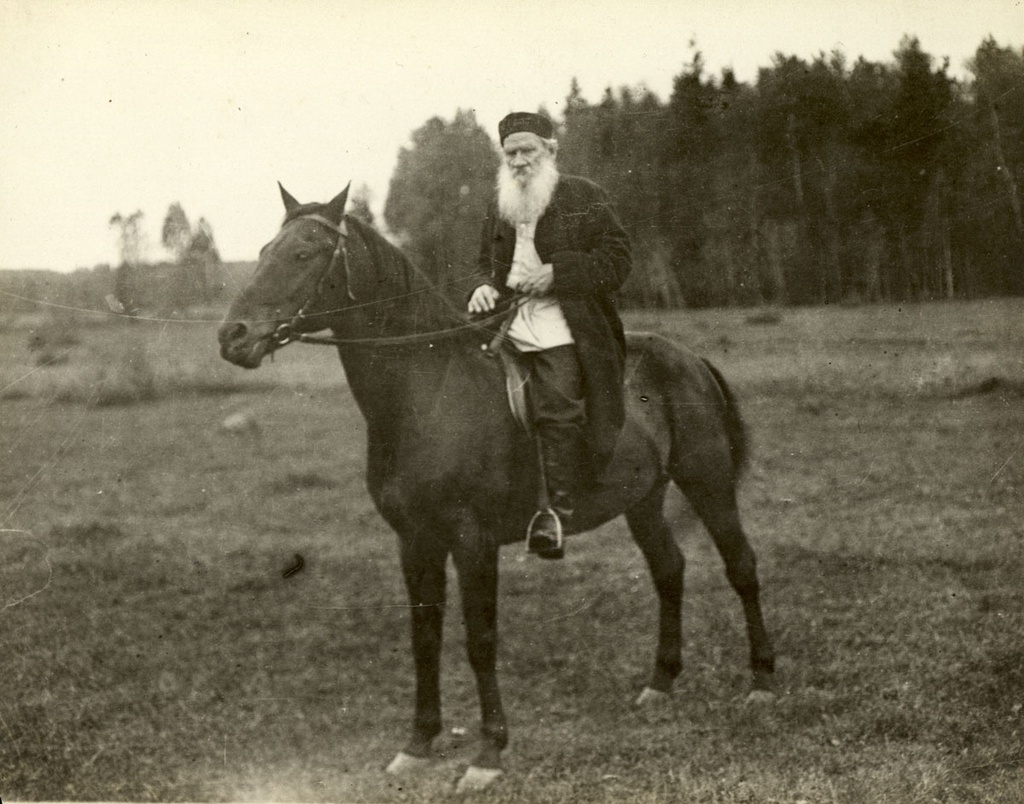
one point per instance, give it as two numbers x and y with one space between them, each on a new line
553 248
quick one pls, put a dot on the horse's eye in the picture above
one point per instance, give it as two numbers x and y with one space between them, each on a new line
302 255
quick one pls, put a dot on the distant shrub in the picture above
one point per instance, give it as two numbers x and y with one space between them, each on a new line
301 481
54 332
765 317
49 357
991 385
88 532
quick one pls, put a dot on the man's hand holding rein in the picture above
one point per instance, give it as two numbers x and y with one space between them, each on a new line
483 300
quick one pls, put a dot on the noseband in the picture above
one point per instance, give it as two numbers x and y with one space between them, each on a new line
285 333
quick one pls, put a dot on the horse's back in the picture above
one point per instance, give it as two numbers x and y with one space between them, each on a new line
649 350
658 370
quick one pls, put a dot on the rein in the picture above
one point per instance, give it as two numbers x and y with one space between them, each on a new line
285 333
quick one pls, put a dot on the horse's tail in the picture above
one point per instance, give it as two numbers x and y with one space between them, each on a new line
735 427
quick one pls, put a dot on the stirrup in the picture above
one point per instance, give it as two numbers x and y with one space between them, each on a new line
549 548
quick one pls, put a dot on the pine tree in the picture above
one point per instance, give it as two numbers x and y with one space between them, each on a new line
438 196
177 231
998 169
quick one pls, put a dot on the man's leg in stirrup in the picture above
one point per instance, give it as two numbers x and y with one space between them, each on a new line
558 411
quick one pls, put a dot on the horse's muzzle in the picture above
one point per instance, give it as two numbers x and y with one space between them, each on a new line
241 346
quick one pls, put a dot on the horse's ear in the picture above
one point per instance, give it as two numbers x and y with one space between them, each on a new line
336 208
289 201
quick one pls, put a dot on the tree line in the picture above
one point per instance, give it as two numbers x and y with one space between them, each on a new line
821 182
192 276
166 287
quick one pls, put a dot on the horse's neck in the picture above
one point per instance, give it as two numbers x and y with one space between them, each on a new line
405 300
391 384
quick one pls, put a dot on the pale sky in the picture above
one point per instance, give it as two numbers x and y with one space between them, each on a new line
111 106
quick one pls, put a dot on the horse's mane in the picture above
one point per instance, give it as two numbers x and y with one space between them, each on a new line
398 294
385 253
423 304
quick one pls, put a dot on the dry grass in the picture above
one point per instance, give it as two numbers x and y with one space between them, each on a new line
122 362
156 649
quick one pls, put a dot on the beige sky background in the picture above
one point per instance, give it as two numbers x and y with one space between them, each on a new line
116 106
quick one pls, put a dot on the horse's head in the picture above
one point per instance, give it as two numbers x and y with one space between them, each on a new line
298 284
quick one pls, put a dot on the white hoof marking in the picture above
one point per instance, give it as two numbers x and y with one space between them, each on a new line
475 779
651 697
404 763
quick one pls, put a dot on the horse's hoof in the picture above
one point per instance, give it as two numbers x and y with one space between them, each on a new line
404 763
476 778
651 697
760 697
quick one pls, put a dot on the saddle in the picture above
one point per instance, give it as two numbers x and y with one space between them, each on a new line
516 379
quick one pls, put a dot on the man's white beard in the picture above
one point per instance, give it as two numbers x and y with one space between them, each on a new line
523 204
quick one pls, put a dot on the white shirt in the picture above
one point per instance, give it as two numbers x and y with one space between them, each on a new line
539 322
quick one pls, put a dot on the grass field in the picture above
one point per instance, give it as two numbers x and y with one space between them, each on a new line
154 649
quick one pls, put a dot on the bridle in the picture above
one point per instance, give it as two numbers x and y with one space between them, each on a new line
286 333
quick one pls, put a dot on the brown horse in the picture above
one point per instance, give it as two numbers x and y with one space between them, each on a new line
452 472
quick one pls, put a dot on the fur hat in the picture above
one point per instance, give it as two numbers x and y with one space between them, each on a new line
525 121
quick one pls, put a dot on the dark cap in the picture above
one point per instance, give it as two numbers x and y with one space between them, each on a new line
525 121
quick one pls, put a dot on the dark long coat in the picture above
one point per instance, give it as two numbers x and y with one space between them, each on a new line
580 236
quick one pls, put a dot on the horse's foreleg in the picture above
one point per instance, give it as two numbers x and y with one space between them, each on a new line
423 565
476 560
652 534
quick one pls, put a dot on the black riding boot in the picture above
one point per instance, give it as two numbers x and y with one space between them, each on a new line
561 461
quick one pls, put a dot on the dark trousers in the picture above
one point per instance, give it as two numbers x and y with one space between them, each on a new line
555 391
558 413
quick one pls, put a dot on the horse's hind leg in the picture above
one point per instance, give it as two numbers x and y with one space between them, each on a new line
652 534
714 501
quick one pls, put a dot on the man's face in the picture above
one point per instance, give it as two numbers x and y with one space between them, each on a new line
524 152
